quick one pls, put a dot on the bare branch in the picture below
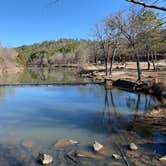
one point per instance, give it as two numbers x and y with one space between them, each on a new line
147 5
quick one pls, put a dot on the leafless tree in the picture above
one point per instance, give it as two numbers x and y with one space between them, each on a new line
7 58
101 36
129 28
82 55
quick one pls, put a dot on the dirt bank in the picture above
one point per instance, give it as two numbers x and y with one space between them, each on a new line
128 72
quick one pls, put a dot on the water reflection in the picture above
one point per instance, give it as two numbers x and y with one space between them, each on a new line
85 111
121 109
43 75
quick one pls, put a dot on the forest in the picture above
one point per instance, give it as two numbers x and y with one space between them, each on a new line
138 35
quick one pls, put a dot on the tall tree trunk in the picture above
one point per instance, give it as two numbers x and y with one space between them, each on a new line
153 62
148 60
95 59
156 60
107 65
138 65
112 61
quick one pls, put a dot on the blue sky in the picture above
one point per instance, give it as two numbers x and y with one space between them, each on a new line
31 21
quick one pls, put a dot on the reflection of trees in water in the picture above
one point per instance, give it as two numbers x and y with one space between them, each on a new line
2 93
6 91
113 118
94 90
110 113
46 74
9 78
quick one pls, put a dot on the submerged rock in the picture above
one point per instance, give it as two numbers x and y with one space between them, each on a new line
116 156
64 142
97 146
73 141
132 153
27 144
84 154
133 146
44 159
163 158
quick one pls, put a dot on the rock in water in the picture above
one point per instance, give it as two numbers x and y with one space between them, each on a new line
44 159
27 144
133 146
73 141
116 156
97 146
84 154
64 142
163 158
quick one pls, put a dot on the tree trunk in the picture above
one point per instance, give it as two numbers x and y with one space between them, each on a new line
107 64
153 62
138 66
156 60
112 61
148 60
95 59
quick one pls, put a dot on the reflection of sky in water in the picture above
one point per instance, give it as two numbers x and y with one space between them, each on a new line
48 113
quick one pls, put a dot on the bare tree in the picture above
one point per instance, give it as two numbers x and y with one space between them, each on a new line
129 28
101 35
114 35
7 58
82 55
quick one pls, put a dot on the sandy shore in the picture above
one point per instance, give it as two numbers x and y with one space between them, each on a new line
129 72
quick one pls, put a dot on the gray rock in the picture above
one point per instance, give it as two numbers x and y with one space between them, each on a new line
162 158
116 156
44 159
97 146
133 146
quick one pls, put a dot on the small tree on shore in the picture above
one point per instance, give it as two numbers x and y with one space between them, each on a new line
101 36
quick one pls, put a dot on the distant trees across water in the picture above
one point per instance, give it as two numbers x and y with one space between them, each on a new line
136 35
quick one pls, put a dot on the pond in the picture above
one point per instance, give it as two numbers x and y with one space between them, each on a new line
40 116
31 75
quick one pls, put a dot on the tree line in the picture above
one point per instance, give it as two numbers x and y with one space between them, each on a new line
134 35
138 33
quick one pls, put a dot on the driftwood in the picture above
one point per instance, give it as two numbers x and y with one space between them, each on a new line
70 156
122 154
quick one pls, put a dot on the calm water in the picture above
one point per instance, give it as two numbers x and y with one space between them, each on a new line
43 115
43 75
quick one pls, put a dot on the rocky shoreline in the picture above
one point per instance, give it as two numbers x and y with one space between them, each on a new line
71 152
